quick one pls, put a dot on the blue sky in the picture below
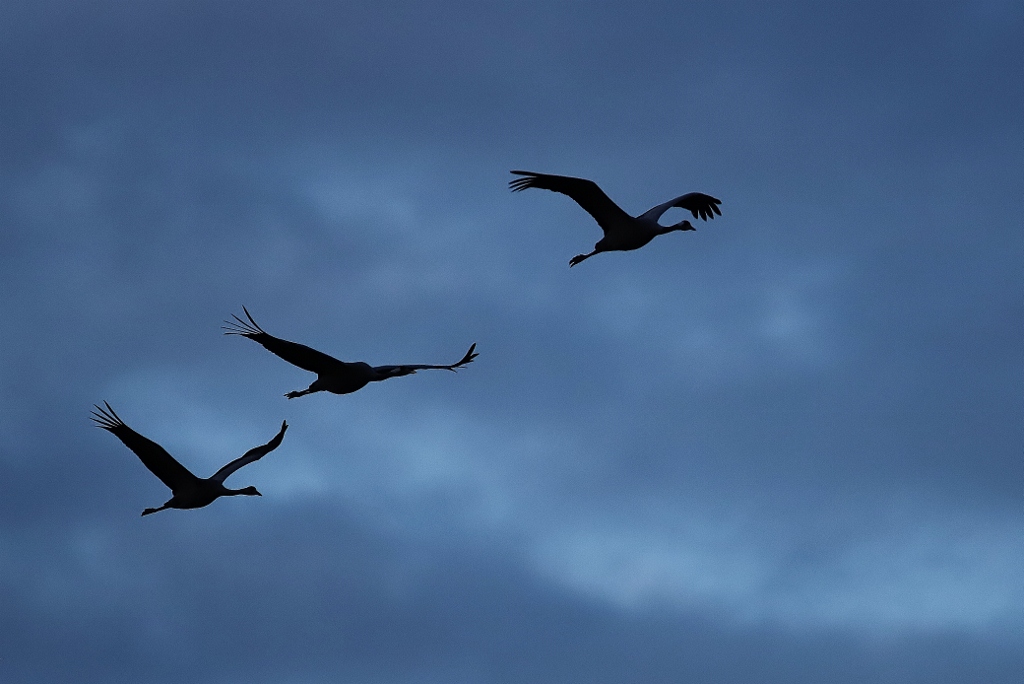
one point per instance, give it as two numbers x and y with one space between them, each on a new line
786 447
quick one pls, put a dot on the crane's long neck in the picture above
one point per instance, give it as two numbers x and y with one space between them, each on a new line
246 491
682 225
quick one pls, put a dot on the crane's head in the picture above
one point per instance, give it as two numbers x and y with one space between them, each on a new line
683 225
250 491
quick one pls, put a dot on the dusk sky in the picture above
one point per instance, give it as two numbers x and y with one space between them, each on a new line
786 448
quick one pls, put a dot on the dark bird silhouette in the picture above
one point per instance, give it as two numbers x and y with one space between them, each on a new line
187 490
332 375
622 232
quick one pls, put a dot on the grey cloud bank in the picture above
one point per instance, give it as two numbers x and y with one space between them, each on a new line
784 448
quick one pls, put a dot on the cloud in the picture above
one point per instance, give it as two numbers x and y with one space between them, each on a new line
783 448
918 571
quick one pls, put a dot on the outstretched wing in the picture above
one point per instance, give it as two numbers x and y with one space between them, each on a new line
586 193
294 353
251 455
697 203
396 371
152 455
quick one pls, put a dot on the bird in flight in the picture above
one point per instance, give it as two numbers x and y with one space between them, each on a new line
332 375
622 232
187 490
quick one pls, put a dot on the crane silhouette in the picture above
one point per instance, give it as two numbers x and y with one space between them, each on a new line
332 375
622 232
187 490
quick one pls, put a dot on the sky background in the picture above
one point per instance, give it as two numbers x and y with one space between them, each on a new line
786 448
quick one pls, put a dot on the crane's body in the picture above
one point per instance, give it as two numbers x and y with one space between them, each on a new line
332 375
187 490
622 232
